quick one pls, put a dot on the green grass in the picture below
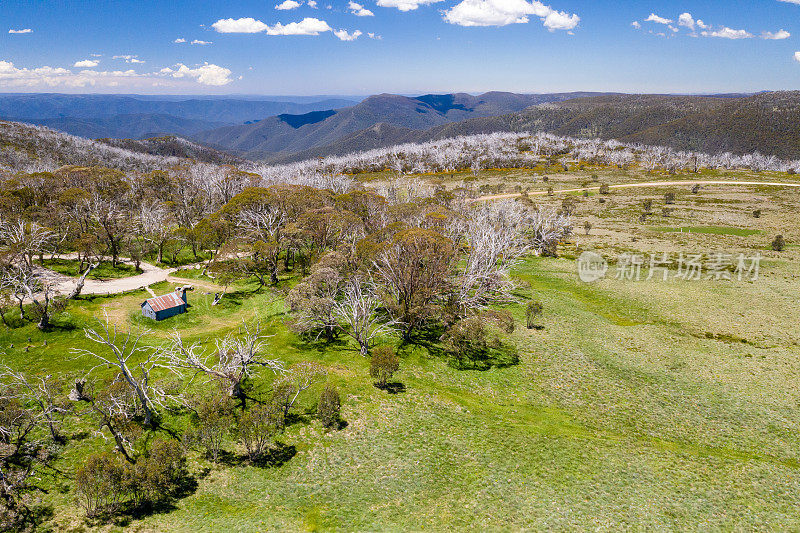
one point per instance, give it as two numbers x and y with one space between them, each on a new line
622 414
713 230
104 270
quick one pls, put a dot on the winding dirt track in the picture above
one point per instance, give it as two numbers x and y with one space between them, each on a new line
643 184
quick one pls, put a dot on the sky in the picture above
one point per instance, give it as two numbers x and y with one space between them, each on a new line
310 47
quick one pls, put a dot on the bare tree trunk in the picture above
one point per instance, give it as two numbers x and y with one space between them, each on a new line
79 287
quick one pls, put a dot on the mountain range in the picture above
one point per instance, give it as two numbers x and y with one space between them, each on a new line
765 122
284 131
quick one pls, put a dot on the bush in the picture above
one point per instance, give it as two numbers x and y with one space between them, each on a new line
532 311
757 213
100 484
329 407
383 365
157 476
669 198
213 422
469 345
605 189
648 205
258 426
778 244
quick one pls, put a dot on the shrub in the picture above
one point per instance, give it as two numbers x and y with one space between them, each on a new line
383 365
648 205
605 189
669 198
213 422
157 476
757 213
778 244
587 227
469 345
329 407
696 189
258 426
100 484
532 311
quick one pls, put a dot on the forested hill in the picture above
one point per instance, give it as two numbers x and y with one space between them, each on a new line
768 123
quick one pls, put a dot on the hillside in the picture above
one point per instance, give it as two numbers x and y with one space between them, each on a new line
282 135
27 148
136 126
766 122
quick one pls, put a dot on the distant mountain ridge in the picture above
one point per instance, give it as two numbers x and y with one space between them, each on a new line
764 122
230 110
283 135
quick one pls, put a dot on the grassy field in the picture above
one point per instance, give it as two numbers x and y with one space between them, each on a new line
104 270
650 405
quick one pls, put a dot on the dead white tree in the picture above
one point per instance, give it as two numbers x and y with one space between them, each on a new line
358 316
233 359
22 241
41 391
133 362
546 228
495 240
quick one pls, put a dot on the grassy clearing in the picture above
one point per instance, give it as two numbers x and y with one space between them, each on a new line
104 270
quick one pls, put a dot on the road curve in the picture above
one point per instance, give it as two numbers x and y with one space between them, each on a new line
643 184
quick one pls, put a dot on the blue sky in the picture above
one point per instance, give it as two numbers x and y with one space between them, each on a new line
398 46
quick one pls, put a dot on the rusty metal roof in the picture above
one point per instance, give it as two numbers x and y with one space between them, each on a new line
167 301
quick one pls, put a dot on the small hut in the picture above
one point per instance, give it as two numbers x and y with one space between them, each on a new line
167 305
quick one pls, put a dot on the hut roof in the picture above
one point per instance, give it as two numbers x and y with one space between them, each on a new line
167 301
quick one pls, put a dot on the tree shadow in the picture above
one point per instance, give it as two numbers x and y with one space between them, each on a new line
276 456
394 387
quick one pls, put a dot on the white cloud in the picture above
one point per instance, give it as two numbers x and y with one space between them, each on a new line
359 10
636 24
687 20
504 12
342 35
197 41
26 30
179 40
797 2
558 20
243 25
702 25
86 63
658 20
307 26
287 5
777 36
312 4
797 56
374 36
45 76
207 74
406 5
728 33
129 58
